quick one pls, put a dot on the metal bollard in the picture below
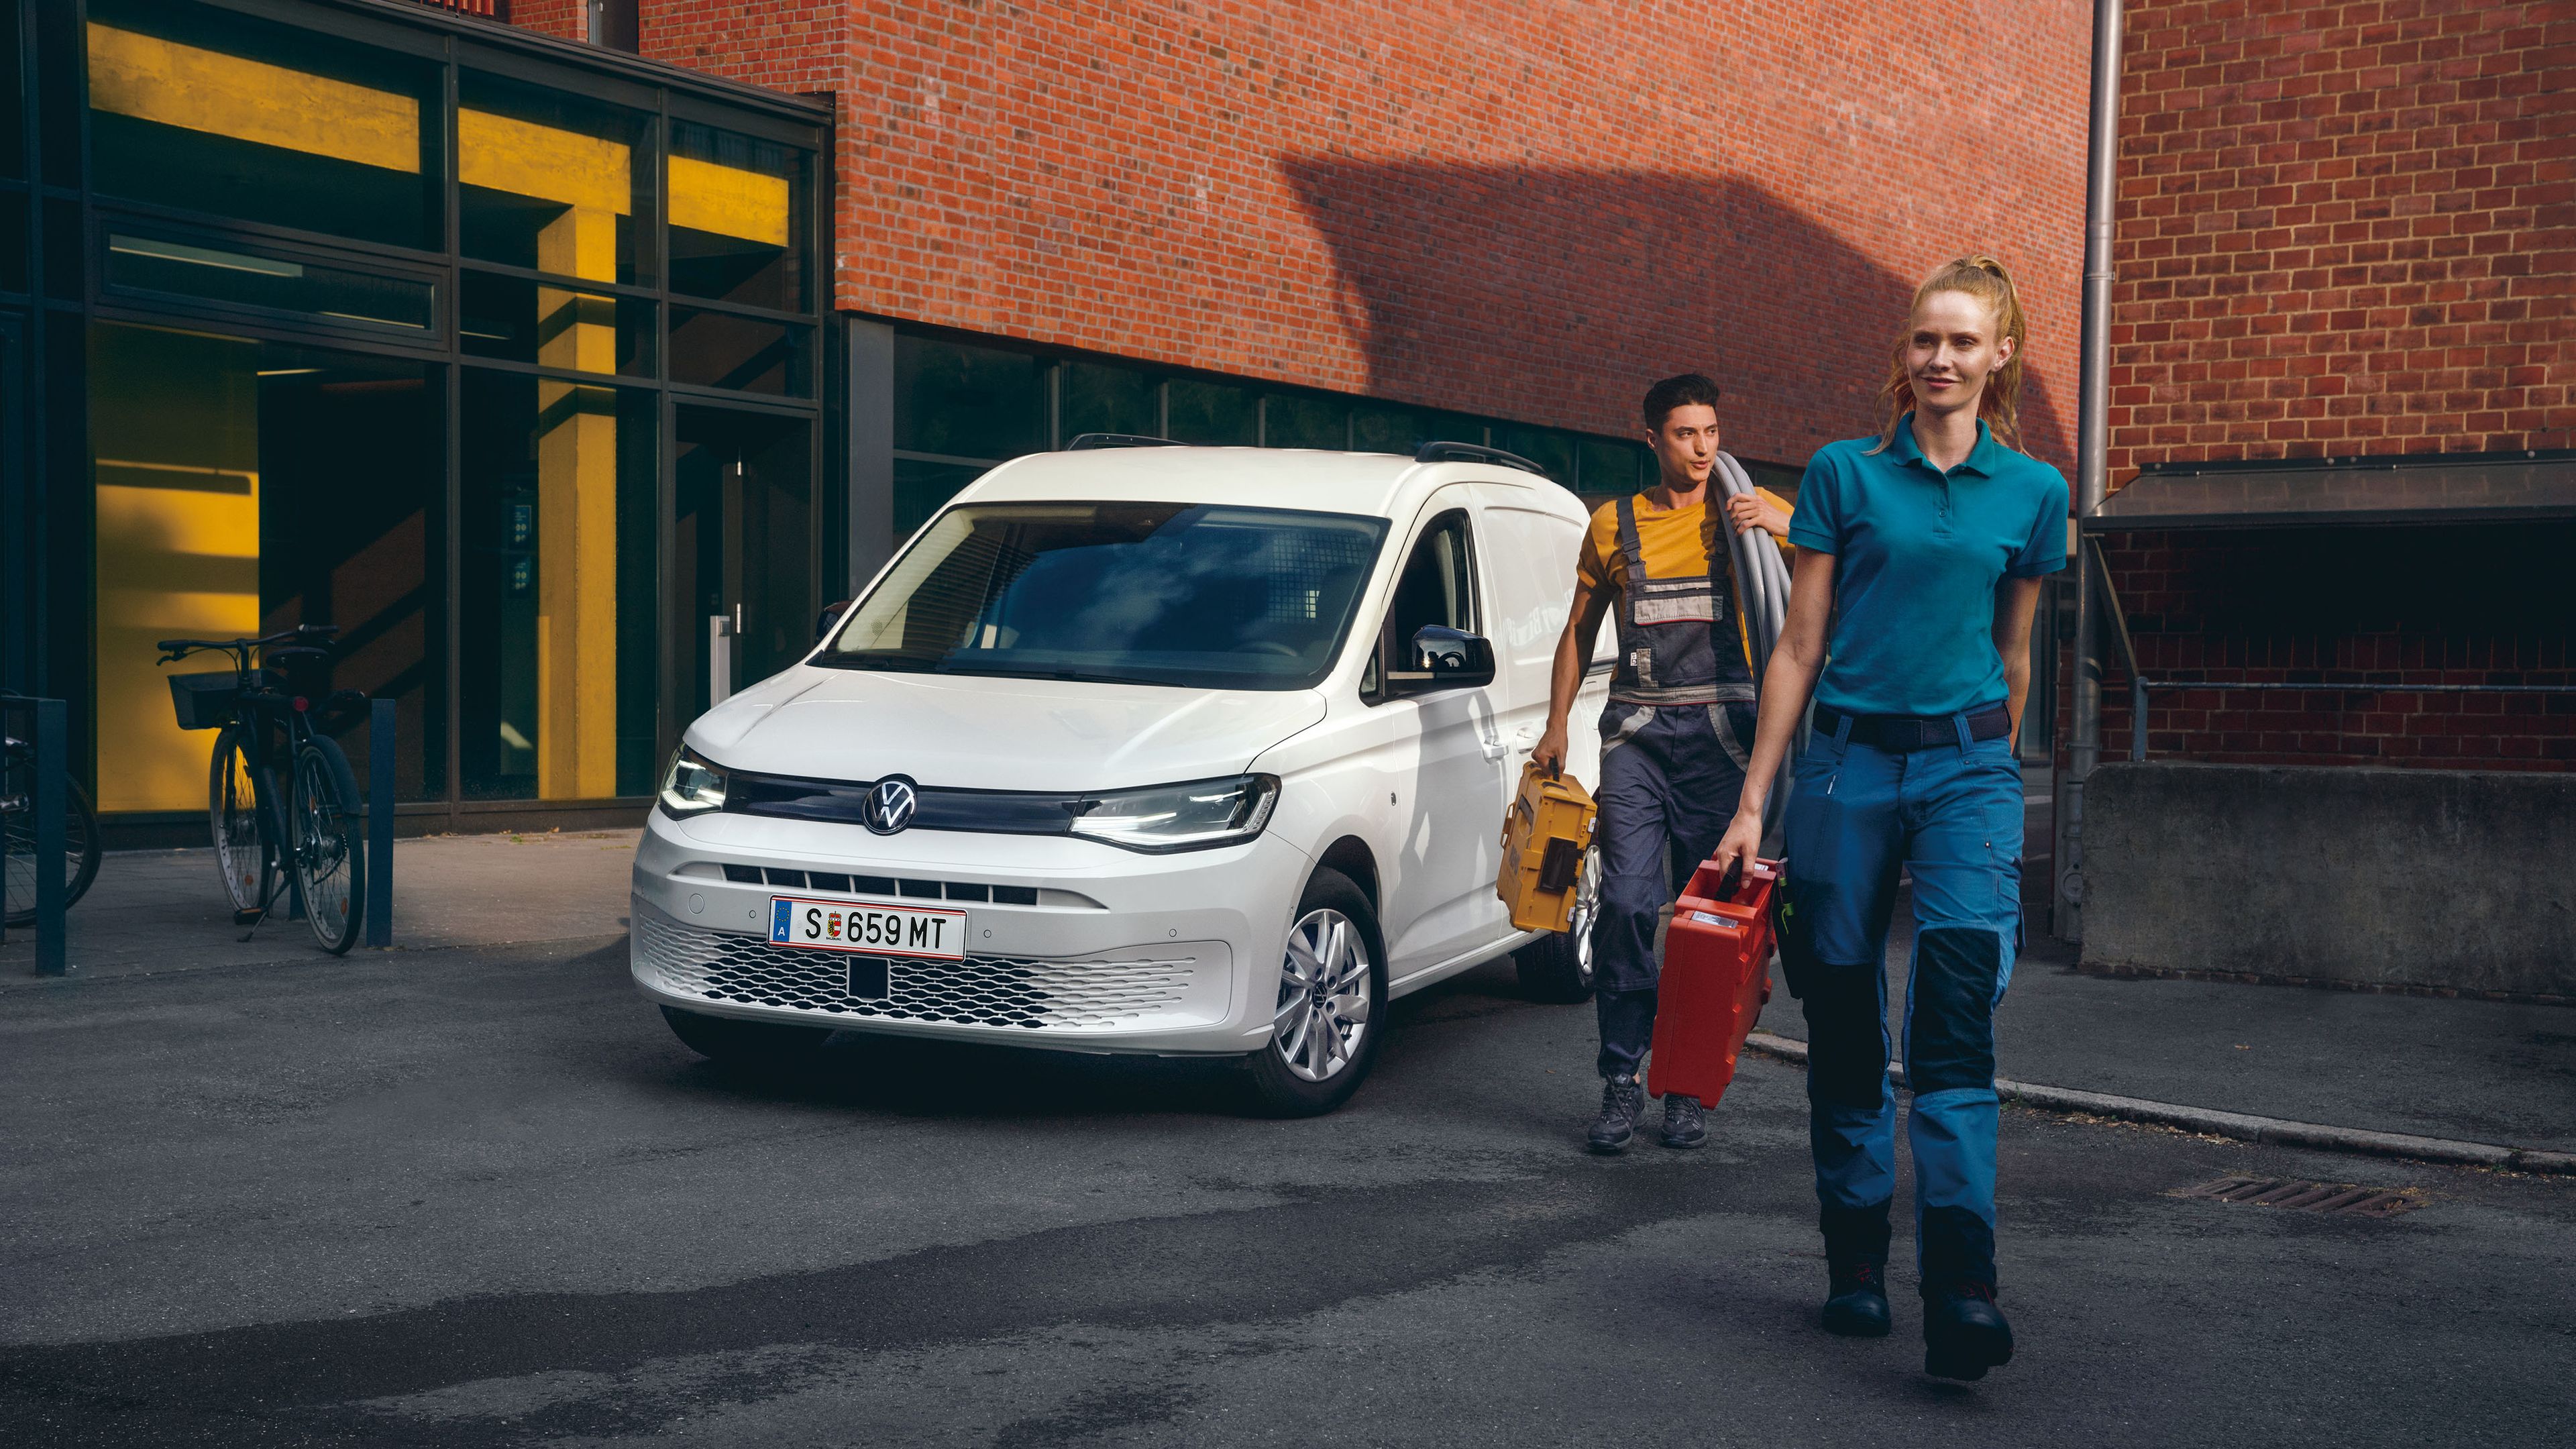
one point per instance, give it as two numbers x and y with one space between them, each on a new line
380 823
52 726
2137 716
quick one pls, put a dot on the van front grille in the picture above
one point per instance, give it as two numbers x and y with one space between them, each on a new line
1032 993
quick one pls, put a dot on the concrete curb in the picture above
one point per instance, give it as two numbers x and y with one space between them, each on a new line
2239 1125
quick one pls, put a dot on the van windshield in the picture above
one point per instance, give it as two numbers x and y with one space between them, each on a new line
1197 595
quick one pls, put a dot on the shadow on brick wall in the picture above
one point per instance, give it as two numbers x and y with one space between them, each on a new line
1557 295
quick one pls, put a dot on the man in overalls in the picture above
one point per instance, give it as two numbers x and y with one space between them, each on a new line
1678 731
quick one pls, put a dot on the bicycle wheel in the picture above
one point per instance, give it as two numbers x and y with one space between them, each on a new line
232 808
327 855
80 855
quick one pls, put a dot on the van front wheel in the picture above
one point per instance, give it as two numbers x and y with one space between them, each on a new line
1330 1004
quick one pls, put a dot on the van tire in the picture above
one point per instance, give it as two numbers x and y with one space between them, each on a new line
1275 1087
750 1045
1552 970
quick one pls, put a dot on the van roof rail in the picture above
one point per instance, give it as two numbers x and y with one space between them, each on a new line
1474 453
1087 441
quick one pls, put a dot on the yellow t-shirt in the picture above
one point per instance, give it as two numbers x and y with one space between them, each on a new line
1672 542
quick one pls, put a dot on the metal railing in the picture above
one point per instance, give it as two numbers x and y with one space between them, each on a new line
2140 684
48 796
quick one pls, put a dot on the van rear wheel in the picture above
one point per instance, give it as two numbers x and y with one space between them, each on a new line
1330 1008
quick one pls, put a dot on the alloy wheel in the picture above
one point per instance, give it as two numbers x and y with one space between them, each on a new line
1323 1010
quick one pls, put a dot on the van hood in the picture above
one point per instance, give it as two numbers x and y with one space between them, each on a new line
980 733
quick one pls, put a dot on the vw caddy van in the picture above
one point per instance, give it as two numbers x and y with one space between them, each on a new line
1158 749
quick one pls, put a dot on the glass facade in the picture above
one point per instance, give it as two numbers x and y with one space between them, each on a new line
506 365
962 405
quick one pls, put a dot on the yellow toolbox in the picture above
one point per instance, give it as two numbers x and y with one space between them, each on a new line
1545 835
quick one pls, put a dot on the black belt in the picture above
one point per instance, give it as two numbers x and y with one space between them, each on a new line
1901 732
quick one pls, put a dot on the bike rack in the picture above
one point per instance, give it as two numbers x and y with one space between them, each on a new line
51 735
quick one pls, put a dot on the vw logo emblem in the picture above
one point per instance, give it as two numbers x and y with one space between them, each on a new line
890 805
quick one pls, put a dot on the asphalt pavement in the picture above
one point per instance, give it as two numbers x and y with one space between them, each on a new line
480 1196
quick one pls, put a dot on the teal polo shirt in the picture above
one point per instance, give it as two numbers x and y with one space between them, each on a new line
1918 555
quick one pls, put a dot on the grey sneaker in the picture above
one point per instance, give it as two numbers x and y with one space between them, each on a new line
1682 1125
1623 1101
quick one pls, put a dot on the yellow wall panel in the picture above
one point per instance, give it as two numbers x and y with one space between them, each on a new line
502 153
728 201
576 592
174 437
204 90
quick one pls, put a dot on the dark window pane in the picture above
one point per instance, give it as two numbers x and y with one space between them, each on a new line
920 488
1452 428
224 507
13 115
746 354
549 181
967 401
1304 421
1611 467
249 277
1099 397
1213 412
1379 429
58 50
558 681
197 109
13 241
62 248
742 541
1546 447
525 321
1775 477
738 218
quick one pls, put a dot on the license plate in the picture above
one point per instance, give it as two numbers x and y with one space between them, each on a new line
876 930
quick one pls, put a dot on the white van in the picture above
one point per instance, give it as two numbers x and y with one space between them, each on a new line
1152 749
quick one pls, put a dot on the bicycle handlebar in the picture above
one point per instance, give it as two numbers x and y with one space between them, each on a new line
174 649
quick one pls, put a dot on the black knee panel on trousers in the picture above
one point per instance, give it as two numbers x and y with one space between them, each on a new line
1854 1232
1846 1037
1951 1043
1958 1247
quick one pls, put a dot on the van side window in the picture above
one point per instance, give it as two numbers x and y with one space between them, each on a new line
1438 586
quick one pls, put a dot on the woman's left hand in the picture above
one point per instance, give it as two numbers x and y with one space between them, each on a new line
1748 512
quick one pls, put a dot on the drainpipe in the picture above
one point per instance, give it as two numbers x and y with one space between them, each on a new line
2092 460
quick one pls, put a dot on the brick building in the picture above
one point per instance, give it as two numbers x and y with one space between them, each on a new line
634 353
2346 255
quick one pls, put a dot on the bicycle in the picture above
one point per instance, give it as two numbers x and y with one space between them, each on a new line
18 833
298 838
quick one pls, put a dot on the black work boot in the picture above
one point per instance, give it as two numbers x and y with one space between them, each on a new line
1682 1124
1623 1100
1856 1270
1964 1334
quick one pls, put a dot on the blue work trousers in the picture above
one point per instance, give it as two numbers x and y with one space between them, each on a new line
1951 816
1670 776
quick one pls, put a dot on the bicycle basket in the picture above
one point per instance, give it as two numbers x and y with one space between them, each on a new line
205 701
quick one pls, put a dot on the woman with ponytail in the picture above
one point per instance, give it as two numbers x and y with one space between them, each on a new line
1920 553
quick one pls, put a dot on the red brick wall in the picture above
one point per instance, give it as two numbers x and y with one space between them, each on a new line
1526 209
2344 228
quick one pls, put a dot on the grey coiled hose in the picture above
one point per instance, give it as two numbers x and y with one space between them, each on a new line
1764 579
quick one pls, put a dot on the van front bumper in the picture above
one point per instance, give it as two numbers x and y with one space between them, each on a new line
1123 952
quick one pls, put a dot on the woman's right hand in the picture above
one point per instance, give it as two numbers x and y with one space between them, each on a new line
1742 844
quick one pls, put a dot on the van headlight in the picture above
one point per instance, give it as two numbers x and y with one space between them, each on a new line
1193 816
692 785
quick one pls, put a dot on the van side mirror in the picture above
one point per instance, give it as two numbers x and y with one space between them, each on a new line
830 616
1444 658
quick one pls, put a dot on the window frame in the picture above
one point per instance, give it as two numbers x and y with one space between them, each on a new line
1382 656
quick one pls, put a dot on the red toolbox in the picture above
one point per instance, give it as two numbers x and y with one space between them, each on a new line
1717 975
